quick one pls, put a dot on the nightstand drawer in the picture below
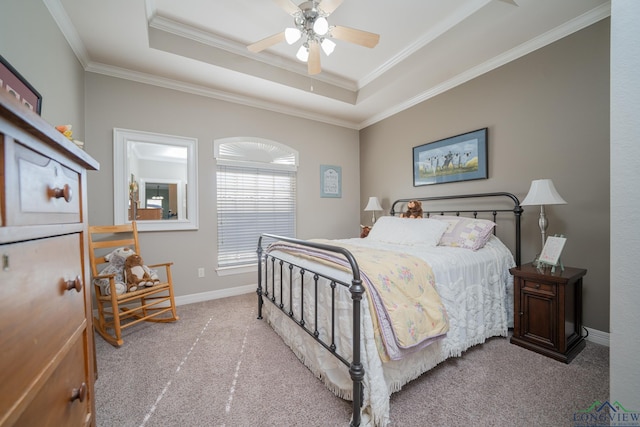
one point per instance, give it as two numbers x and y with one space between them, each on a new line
535 286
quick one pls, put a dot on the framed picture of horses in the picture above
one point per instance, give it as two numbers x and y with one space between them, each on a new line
458 158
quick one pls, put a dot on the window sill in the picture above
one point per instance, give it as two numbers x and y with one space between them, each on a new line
241 269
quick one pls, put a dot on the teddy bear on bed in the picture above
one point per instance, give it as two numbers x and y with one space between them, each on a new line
414 210
365 231
138 275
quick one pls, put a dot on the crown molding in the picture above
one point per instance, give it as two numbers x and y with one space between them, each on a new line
61 18
595 15
442 27
63 21
166 83
171 26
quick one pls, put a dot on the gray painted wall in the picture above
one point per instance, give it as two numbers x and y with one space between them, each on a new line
34 45
548 117
113 102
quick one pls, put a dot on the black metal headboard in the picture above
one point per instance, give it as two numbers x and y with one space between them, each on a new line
516 210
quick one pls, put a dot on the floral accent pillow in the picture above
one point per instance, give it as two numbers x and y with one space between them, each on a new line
469 233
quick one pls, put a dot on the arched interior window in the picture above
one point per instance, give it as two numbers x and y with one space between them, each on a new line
256 193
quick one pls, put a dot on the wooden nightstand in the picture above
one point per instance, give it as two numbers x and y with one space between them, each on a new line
548 311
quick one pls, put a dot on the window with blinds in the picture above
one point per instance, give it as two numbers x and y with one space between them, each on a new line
256 193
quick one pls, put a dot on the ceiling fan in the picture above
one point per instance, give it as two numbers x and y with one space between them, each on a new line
311 25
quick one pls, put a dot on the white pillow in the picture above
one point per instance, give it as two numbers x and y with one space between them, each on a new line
408 231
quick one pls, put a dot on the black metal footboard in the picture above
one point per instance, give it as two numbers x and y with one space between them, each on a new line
266 289
485 203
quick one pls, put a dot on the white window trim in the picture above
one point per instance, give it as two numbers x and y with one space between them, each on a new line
221 160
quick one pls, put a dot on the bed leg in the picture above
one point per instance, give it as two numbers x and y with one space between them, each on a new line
259 290
357 374
356 370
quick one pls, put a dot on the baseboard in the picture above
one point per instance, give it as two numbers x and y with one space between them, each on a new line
597 336
594 335
206 296
223 293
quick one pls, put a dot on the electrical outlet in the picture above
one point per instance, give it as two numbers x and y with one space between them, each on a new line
201 272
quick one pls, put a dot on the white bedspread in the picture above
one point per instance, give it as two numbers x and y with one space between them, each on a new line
475 287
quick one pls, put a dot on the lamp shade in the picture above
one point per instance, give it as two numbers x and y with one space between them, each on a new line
373 205
543 192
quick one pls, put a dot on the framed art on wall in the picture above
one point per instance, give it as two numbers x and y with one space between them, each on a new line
458 158
12 81
330 181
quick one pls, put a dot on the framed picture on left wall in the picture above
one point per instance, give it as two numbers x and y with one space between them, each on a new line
330 181
12 82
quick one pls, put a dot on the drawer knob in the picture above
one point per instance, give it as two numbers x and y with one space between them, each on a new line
62 193
75 284
537 285
79 393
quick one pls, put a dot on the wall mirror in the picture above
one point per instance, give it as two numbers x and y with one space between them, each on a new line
155 180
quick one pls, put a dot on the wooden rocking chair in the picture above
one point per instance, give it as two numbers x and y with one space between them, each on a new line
117 312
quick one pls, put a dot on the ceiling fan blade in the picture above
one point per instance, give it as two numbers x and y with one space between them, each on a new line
288 6
266 42
328 6
351 35
313 63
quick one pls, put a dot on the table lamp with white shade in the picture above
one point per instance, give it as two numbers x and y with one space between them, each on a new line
543 192
373 205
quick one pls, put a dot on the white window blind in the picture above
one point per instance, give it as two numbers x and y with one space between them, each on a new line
251 201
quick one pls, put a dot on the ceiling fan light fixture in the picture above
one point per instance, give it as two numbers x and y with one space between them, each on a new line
310 24
321 26
328 46
303 53
292 35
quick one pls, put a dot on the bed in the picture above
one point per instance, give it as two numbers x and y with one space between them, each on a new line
367 316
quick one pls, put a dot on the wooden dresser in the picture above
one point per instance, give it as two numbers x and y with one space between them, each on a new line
47 364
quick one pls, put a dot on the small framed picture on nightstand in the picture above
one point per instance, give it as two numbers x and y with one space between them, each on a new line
552 250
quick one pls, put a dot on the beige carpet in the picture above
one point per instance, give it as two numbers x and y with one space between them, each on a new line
219 366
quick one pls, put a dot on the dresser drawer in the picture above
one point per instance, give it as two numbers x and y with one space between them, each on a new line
38 314
64 398
47 193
